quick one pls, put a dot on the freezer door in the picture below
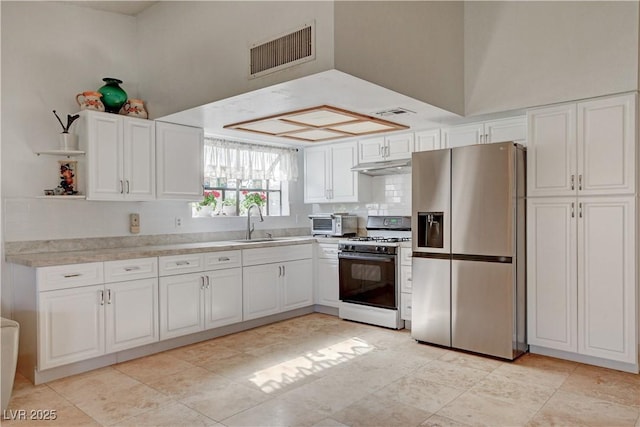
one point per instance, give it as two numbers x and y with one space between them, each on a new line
482 311
482 199
431 300
431 201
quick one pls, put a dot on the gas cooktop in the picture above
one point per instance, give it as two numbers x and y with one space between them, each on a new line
379 239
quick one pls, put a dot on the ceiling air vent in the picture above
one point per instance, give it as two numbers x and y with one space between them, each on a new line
283 51
394 112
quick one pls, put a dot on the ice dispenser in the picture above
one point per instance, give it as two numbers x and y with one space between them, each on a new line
431 229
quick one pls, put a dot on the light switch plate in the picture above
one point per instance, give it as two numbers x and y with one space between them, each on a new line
134 223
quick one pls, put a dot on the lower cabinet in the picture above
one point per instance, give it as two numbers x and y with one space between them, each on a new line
406 284
279 280
327 275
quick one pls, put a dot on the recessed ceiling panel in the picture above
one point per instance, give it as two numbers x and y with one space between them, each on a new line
273 127
315 135
363 127
320 118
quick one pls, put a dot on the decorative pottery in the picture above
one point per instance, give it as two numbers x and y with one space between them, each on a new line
113 96
134 108
90 100
68 177
205 211
68 141
229 210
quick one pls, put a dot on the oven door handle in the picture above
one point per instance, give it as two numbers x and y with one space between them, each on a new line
367 257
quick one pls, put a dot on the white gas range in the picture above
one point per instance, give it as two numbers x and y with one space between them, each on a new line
370 272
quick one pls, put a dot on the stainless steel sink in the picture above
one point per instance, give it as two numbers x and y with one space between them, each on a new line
267 239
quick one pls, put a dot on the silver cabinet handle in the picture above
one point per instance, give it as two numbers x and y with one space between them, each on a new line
108 296
284 271
481 138
127 186
67 276
134 268
121 187
409 279
580 209
409 307
573 213
224 258
580 182
208 282
201 282
486 138
573 182
101 297
279 271
182 263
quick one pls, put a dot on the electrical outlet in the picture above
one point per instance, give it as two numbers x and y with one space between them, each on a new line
134 223
178 222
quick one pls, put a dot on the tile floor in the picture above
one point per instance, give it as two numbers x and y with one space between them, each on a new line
318 370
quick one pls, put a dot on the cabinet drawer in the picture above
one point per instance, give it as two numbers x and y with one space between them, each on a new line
69 276
130 269
405 256
276 254
224 259
179 264
405 306
328 250
406 283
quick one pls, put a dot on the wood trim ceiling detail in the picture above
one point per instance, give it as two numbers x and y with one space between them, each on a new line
317 124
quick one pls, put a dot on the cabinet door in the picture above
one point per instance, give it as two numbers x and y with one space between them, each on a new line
223 297
327 282
399 146
427 140
344 182
70 325
551 273
131 314
297 289
180 161
181 305
607 278
514 129
139 159
606 146
371 150
459 136
105 157
261 290
316 174
551 154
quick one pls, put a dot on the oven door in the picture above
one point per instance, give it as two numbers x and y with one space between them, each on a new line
368 279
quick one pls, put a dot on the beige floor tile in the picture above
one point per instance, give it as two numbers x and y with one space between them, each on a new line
40 397
471 361
172 415
188 382
480 410
222 401
202 353
419 393
67 415
440 421
275 412
379 411
329 422
532 368
524 394
606 384
240 366
450 374
150 368
569 409
100 381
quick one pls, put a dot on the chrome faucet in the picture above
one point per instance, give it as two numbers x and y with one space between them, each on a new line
250 227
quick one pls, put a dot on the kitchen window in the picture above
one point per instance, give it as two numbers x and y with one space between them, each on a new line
239 174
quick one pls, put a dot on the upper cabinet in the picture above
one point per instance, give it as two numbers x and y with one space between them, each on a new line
427 140
585 148
328 177
393 147
120 156
513 129
180 161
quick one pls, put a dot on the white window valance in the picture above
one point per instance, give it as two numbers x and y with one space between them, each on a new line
239 160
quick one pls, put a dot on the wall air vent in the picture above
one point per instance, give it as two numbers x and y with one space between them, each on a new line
394 112
283 51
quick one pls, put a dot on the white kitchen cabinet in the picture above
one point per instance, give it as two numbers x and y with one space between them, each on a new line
393 147
581 276
328 177
327 275
427 140
193 299
120 156
180 162
512 129
276 279
406 283
585 148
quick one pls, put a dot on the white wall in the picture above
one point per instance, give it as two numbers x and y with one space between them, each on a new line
412 47
521 54
196 53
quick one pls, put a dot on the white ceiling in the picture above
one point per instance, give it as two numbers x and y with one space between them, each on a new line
122 6
332 87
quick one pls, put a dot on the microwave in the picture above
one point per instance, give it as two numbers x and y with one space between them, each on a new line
334 224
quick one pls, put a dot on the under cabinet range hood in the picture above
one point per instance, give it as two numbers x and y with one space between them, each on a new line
390 167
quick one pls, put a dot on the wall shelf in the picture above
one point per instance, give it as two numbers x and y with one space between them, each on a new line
67 153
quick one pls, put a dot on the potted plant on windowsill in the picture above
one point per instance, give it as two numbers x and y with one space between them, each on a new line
208 205
229 207
252 199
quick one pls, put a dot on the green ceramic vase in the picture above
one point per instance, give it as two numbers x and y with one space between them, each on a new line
113 96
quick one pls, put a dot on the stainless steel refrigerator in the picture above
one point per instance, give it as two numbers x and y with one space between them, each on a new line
468 240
